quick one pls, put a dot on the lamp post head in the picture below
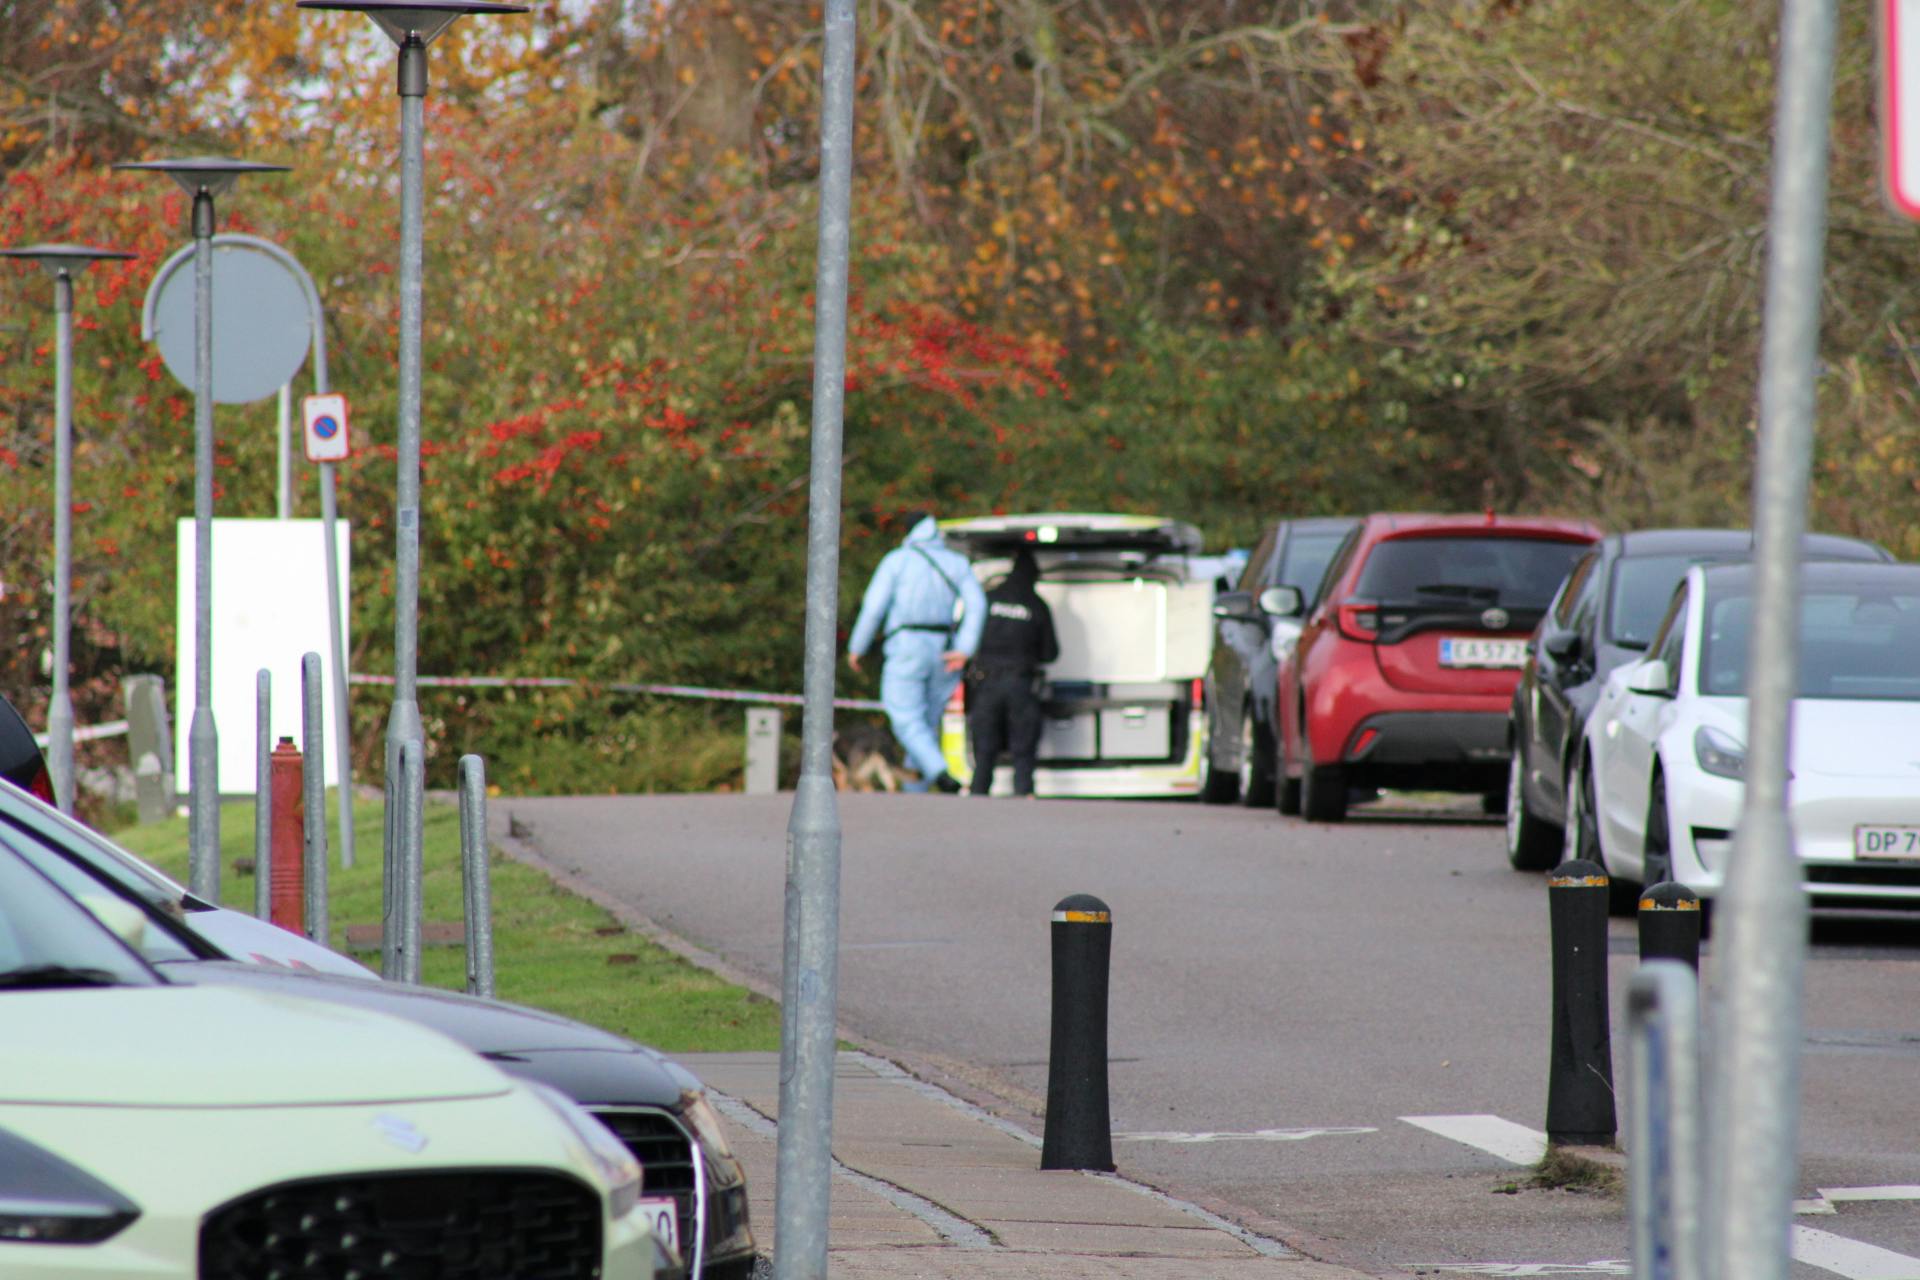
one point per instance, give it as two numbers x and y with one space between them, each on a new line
195 174
64 259
425 19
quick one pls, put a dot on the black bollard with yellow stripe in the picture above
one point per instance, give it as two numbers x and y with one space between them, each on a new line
1669 920
1079 1133
1580 1079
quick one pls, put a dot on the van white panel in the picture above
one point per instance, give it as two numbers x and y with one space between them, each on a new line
1138 630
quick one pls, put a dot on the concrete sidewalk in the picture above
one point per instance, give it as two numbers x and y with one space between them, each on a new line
929 1188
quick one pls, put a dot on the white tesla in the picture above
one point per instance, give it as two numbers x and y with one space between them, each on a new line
1658 788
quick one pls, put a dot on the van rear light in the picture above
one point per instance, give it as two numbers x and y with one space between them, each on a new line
1199 694
1360 622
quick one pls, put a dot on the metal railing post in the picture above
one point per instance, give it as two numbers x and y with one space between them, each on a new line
313 782
1663 1120
263 795
476 875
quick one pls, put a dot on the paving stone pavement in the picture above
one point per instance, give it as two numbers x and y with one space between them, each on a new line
927 1188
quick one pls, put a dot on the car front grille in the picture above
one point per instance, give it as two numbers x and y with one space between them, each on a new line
428 1226
666 1157
1863 873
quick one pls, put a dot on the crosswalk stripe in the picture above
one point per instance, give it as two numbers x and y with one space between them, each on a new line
1514 1143
1851 1258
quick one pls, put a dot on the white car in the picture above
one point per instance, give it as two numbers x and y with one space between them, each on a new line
1658 789
149 1129
1132 604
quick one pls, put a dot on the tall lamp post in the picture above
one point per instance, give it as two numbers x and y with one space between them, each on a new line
203 178
411 27
63 262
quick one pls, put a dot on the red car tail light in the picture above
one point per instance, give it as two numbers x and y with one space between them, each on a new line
42 784
1360 621
1199 689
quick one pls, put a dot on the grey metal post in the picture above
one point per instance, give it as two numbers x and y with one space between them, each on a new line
313 799
60 711
403 722
1756 1117
342 712
149 746
810 971
476 875
412 844
263 795
283 485
203 739
1663 1122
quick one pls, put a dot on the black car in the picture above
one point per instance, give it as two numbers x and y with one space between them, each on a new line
657 1108
1604 615
1247 642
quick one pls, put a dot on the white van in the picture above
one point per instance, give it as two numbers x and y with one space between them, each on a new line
1132 603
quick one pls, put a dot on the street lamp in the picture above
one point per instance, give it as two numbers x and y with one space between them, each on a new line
63 262
203 178
412 27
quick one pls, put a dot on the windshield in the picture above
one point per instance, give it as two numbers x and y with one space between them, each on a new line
1519 573
79 843
47 940
1859 643
1306 560
1642 588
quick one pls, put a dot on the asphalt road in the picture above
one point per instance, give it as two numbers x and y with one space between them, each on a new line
1268 975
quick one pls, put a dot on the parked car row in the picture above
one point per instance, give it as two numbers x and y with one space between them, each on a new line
183 1087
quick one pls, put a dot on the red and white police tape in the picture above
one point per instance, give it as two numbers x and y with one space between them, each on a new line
658 690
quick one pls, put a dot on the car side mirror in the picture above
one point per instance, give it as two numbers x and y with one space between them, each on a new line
1235 606
1649 677
1563 645
1282 602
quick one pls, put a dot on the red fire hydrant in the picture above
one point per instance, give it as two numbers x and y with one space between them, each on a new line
289 838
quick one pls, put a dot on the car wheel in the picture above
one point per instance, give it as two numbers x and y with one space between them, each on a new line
1256 762
1323 788
1216 785
1532 845
1286 796
1658 859
1580 839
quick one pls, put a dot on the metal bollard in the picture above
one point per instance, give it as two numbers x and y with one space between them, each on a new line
149 746
263 795
313 798
1580 1078
289 878
763 751
1669 920
477 877
1663 1125
1079 1132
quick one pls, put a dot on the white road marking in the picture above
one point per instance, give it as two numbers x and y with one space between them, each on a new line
1257 1135
1826 1197
1511 1142
1604 1267
1851 1258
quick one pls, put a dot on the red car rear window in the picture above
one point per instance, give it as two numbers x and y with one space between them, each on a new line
1517 573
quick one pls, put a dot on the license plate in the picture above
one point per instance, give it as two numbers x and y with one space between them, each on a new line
663 1217
1898 844
1472 651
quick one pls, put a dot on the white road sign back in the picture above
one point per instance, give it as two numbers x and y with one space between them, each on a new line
1900 110
325 419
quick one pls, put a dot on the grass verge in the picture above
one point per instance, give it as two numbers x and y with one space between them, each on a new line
552 949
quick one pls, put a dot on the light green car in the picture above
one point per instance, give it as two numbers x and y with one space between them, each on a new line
149 1129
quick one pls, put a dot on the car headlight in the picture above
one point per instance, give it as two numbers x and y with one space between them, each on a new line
45 1200
705 1123
1719 754
617 1164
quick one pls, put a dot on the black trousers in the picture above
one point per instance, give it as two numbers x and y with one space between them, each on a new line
1003 713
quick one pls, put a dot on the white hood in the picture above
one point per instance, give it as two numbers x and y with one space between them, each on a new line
170 1046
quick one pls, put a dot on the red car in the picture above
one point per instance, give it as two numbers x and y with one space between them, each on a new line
1405 670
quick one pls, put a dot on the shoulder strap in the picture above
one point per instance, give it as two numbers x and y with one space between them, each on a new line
935 566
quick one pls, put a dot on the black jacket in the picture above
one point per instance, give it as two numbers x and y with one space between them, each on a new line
1019 634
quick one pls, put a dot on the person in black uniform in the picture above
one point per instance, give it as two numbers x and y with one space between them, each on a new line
1003 700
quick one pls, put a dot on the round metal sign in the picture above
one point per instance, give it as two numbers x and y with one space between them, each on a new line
262 324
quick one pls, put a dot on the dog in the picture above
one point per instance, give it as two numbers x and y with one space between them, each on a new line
863 758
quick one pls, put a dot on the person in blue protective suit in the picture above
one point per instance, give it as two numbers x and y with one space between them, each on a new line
927 609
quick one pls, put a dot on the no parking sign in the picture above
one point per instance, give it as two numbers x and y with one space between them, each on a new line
326 427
